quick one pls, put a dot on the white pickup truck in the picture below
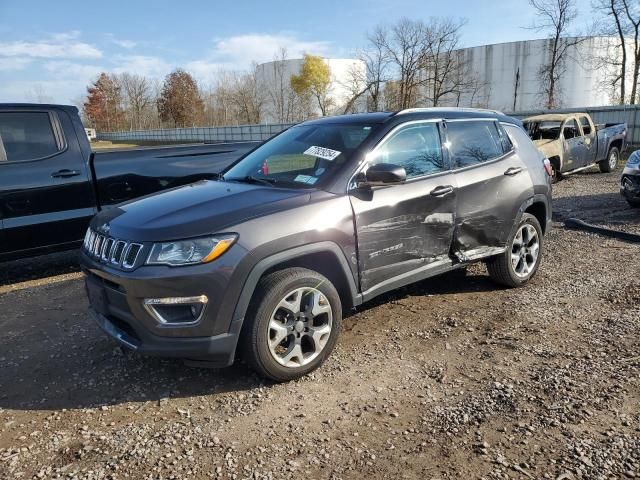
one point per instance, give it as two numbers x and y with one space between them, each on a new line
572 142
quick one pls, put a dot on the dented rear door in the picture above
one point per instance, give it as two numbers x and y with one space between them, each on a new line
492 183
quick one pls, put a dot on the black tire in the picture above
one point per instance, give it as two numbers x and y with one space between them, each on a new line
500 266
254 340
608 164
555 175
634 202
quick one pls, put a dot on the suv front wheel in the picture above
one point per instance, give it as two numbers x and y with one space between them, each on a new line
521 259
292 324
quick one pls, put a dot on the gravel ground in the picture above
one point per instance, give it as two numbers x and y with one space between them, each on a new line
449 378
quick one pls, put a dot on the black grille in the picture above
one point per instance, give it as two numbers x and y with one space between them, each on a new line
111 250
132 254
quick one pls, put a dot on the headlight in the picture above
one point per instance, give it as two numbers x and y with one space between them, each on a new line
190 252
634 158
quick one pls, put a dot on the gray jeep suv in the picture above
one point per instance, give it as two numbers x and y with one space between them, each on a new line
321 218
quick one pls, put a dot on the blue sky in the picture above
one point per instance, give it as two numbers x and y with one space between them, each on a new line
56 52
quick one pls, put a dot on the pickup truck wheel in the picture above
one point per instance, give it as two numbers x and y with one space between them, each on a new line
611 162
633 202
292 324
519 263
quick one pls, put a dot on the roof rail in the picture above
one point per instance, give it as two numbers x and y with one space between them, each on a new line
443 109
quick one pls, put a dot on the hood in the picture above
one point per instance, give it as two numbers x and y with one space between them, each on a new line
550 148
194 210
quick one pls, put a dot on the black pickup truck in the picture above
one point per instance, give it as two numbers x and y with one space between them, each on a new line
52 184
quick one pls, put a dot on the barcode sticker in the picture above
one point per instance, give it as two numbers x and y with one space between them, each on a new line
322 152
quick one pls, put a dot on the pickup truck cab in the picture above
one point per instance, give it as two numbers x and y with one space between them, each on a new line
52 184
572 142
321 218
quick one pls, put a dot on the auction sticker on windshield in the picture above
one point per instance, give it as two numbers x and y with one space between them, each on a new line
322 152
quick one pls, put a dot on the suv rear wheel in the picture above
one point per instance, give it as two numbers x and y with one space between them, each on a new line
292 324
520 261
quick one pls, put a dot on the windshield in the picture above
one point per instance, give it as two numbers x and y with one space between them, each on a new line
301 156
548 130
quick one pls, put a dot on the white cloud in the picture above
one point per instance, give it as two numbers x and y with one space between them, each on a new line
238 52
203 70
121 42
141 65
64 69
241 50
60 91
60 45
13 64
124 43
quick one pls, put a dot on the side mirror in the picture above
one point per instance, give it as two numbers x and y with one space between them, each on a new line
382 174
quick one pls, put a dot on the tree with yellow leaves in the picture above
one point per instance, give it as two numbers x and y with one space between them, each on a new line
314 80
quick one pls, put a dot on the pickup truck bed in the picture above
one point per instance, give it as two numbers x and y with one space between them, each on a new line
125 174
52 183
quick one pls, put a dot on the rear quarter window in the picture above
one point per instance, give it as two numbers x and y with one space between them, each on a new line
27 135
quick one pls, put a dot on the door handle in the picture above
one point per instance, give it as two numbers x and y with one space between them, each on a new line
441 191
513 171
65 173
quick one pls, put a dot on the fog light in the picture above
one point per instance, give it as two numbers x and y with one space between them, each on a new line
176 310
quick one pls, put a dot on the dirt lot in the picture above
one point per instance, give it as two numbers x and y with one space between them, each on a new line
449 378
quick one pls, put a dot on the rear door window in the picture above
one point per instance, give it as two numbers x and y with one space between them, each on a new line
27 135
571 129
586 126
473 142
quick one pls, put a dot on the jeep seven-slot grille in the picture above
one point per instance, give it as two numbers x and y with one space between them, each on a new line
113 251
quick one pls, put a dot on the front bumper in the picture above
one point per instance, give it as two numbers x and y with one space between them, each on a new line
630 183
116 301
218 350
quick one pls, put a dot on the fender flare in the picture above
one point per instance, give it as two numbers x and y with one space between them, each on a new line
536 198
291 254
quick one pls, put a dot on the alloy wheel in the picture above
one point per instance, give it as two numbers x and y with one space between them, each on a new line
525 250
613 159
300 327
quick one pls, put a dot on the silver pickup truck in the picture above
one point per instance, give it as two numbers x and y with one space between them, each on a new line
572 142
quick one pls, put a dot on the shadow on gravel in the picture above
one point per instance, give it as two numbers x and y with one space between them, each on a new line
598 208
38 267
52 356
458 281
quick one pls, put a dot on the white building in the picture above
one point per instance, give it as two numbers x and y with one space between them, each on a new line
275 77
509 74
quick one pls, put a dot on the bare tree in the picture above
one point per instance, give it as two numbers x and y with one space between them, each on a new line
247 96
403 45
376 60
555 16
280 97
357 86
446 73
632 14
38 94
137 93
612 64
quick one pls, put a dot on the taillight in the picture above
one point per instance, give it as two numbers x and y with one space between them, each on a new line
547 167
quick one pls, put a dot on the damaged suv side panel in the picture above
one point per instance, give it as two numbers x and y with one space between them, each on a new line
317 220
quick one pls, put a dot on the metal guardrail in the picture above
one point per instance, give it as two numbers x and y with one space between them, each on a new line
629 114
198 134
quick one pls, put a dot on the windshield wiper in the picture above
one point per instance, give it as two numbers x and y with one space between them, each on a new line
252 179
